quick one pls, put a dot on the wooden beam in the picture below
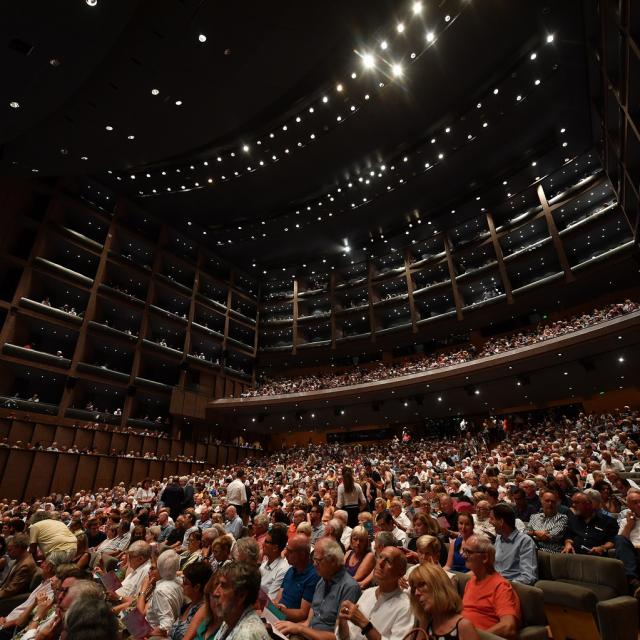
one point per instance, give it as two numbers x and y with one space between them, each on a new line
504 276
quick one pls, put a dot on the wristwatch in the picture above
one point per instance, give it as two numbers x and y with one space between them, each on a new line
367 627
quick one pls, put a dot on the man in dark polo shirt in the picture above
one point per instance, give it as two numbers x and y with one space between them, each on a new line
589 531
299 583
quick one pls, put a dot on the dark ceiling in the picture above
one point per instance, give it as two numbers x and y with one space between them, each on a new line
490 73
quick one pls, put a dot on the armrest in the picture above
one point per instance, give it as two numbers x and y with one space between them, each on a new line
568 595
618 618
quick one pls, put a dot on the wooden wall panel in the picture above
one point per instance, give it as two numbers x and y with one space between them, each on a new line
184 468
5 427
85 472
106 471
164 446
16 473
176 448
45 434
119 442
65 435
41 474
150 444
135 444
156 469
64 472
21 431
212 454
188 449
223 455
201 451
140 470
219 388
83 439
232 456
102 441
170 469
124 468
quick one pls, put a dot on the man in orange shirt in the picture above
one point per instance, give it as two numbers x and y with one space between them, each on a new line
489 601
298 516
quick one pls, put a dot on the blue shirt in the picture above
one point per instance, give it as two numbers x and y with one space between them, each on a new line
328 598
234 527
517 557
298 586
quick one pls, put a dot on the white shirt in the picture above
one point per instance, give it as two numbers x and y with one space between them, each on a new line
400 536
390 613
132 583
43 587
345 539
273 575
165 604
236 492
634 536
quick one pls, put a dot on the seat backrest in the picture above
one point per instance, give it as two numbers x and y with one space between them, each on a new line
531 604
583 568
36 579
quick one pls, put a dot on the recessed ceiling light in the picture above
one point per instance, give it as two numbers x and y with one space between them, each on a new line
417 7
54 62
14 105
109 127
384 45
400 27
178 103
202 38
130 137
397 70
91 3
339 87
550 38
155 92
430 36
84 158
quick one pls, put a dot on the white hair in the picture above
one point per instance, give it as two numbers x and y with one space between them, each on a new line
168 564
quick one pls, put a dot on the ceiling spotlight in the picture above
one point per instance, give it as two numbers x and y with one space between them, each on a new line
537 82
339 87
202 38
400 27
533 56
245 148
84 158
54 62
621 359
430 36
368 61
91 3
155 92
384 45
178 103
14 105
550 38
130 137
109 127
397 70
417 7
325 99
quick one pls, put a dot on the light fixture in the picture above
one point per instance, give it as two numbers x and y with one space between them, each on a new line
400 27
91 3
368 62
109 127
155 92
178 103
339 88
550 38
202 38
384 45
14 105
533 56
130 137
417 7
397 70
430 36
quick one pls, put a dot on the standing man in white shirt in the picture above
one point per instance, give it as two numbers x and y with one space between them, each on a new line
237 493
385 608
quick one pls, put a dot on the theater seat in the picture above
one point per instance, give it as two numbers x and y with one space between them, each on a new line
534 621
586 597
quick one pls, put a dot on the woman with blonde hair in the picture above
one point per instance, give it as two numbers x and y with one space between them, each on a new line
437 606
359 561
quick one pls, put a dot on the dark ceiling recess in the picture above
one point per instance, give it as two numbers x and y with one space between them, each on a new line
298 101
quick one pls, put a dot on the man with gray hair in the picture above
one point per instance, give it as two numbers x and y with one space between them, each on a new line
343 516
23 569
21 614
385 609
139 555
334 587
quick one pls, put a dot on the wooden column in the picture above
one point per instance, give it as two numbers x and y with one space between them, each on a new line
294 325
553 232
332 302
457 296
372 318
504 276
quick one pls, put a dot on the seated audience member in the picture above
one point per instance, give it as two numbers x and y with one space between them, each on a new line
588 532
342 516
359 561
399 517
19 616
333 529
423 524
628 541
483 524
166 527
437 606
489 601
385 522
194 581
233 524
448 516
139 565
193 552
83 555
247 550
334 587
299 583
274 567
260 529
315 520
221 549
531 495
548 528
176 538
523 508
234 597
299 516
163 607
90 618
516 555
49 535
455 559
384 610
23 569
94 535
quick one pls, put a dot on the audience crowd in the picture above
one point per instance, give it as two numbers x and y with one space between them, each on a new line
333 541
493 346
